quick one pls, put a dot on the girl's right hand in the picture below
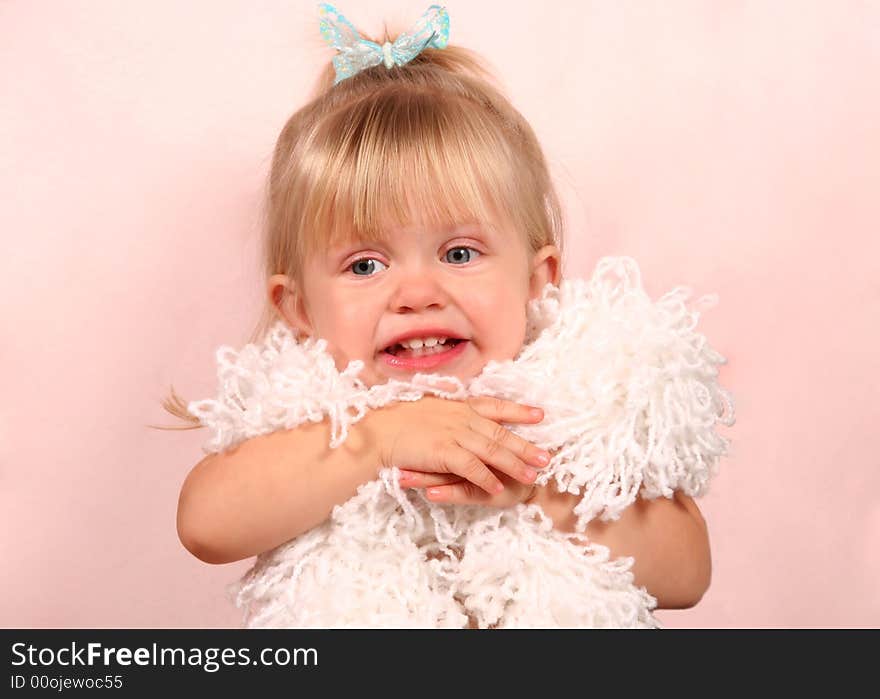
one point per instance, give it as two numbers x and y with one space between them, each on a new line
440 435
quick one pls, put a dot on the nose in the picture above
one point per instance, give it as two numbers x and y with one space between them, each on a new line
417 291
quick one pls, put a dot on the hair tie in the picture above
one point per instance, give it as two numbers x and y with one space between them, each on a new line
357 54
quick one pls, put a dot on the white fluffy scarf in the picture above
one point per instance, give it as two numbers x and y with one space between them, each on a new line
630 398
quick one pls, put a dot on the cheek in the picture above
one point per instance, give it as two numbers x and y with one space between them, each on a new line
349 322
499 324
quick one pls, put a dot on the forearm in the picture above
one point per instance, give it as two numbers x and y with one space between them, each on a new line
668 538
269 489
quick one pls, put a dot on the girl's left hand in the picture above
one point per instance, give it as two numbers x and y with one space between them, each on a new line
451 489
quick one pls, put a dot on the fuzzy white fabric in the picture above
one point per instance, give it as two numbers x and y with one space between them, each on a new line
631 399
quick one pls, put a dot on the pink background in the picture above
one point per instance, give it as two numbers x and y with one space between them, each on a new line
732 147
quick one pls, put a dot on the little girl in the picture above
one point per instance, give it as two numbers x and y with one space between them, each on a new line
413 246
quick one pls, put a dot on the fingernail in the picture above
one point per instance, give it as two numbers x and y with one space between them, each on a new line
531 473
499 487
433 492
543 458
536 412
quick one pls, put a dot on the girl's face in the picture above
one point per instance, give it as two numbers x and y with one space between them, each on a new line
469 281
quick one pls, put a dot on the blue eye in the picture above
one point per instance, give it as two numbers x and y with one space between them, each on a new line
364 265
367 265
463 247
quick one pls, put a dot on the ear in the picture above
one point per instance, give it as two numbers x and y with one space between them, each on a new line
546 268
289 300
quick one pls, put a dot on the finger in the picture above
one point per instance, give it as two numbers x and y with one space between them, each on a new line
467 465
502 410
522 448
421 479
499 448
462 493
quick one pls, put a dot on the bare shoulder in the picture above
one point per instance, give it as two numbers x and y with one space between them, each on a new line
688 503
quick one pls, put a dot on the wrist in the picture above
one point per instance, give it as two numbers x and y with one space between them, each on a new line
379 433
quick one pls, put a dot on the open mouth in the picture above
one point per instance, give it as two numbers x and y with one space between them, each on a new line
398 350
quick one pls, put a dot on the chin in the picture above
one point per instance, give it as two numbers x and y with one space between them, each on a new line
371 377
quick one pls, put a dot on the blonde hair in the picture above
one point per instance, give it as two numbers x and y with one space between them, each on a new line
432 136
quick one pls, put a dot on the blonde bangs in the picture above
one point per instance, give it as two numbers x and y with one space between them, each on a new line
451 163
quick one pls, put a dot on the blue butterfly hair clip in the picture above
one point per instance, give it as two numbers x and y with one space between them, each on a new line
357 54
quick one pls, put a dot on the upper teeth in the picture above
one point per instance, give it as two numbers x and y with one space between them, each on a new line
417 343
